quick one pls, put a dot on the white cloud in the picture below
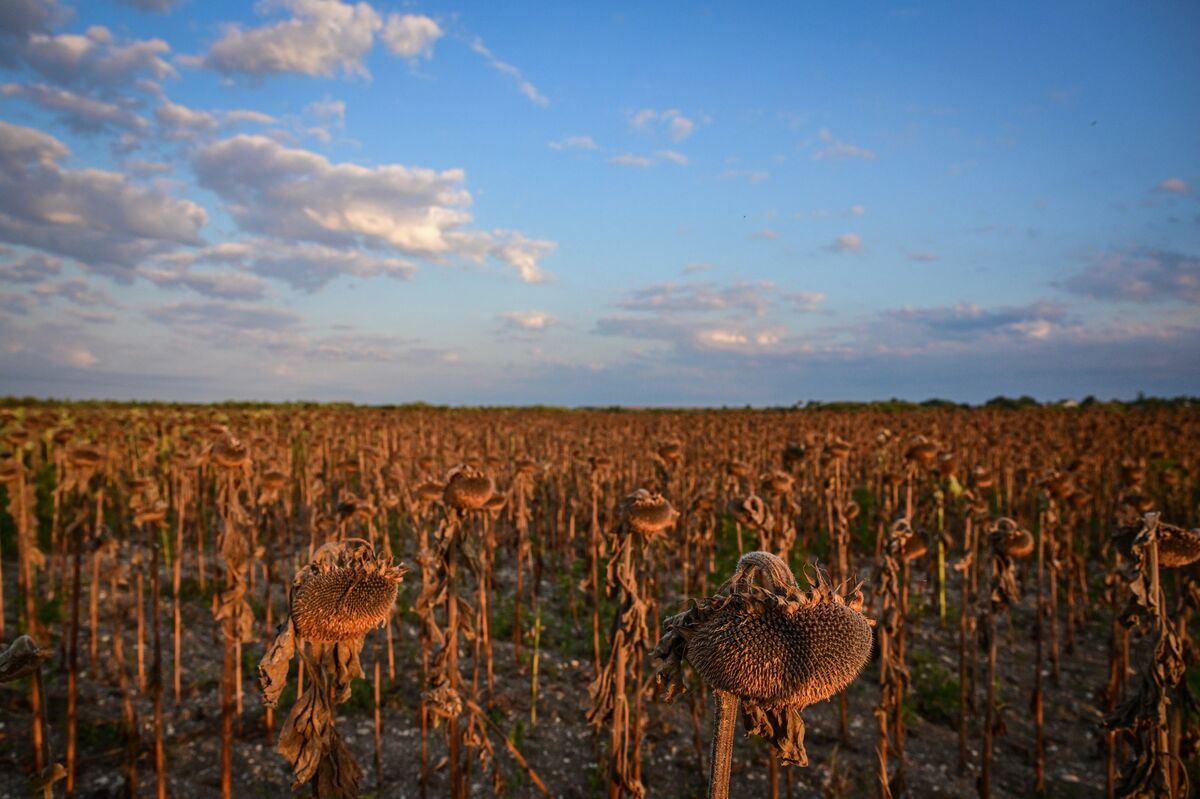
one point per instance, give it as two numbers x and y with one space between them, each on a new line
524 86
574 143
224 315
98 217
80 113
722 338
94 59
858 210
629 159
831 148
673 156
82 358
304 265
30 268
320 134
676 126
155 6
640 119
753 298
297 195
847 242
679 127
76 291
20 146
528 321
411 35
513 249
956 326
749 175
218 284
327 109
15 303
283 335
19 18
1145 276
807 301
239 116
694 336
92 316
180 122
1173 186
1036 328
142 167
320 38
766 234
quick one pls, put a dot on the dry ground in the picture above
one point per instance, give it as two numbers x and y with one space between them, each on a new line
561 745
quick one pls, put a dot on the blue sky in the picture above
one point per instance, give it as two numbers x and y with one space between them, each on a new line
704 204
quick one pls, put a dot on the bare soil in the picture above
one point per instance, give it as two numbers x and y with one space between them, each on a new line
561 746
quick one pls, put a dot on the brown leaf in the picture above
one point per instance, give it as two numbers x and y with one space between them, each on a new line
273 668
782 728
20 659
306 732
338 773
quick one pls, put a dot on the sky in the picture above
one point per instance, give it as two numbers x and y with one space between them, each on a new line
711 204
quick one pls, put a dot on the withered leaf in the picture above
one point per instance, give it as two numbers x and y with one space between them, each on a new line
273 668
20 659
338 773
782 728
306 732
340 662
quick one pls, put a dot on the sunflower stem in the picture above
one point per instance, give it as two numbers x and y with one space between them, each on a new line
722 745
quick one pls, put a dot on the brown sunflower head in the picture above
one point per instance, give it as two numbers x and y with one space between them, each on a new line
1010 540
229 452
777 482
274 480
768 642
837 450
983 477
344 592
1177 547
670 451
467 488
85 457
647 513
921 452
750 512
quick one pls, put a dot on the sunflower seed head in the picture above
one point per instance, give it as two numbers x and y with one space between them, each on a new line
346 591
773 644
467 488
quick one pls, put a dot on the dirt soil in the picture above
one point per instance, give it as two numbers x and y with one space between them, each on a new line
561 747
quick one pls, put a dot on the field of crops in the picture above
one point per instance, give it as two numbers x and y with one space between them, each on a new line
239 601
